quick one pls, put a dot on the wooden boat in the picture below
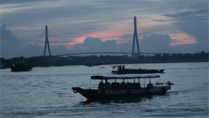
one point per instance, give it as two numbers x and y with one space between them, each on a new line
22 66
120 69
116 90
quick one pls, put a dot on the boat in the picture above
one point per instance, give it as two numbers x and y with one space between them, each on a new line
123 90
21 66
120 69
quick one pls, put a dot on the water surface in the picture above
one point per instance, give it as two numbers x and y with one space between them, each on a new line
46 93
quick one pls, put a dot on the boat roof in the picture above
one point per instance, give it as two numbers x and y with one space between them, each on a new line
99 77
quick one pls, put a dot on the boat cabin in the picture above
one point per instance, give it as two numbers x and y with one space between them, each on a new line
119 82
118 68
120 87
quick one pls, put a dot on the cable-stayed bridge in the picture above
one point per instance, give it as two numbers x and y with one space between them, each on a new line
135 42
107 53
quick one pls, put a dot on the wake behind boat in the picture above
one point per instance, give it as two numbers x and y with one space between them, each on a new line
116 90
120 69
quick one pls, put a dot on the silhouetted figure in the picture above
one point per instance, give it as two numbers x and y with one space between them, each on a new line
150 85
170 83
101 85
139 85
107 84
123 85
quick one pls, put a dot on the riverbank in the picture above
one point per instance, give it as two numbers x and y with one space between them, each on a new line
42 61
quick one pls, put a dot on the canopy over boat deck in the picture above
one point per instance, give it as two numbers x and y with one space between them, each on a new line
98 77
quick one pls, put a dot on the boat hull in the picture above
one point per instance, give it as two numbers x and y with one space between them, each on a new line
20 68
137 71
109 94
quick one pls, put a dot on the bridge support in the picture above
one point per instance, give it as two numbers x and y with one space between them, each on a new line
46 42
135 39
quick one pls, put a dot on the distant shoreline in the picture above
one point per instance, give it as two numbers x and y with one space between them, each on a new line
41 61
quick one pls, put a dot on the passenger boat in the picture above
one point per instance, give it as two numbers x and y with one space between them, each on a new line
116 90
120 69
21 66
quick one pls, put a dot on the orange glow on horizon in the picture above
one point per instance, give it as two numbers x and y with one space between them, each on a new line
182 39
103 35
183 42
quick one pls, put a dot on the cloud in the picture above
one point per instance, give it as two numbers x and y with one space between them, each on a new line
158 43
152 43
11 46
185 23
92 44
194 23
7 35
73 16
155 43
164 43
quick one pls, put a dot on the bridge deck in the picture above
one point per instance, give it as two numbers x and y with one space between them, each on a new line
112 53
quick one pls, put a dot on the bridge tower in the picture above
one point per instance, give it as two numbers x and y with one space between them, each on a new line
46 42
135 39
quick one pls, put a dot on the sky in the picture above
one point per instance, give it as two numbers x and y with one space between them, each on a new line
163 26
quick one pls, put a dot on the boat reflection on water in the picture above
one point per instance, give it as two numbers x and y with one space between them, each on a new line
123 91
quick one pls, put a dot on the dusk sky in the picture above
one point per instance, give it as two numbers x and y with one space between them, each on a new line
173 26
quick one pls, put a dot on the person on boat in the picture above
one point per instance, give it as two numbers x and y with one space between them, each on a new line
119 68
169 83
107 84
112 86
138 85
135 85
123 85
150 85
115 85
128 85
123 67
101 85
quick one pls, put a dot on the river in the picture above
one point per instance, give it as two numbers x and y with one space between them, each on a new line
45 92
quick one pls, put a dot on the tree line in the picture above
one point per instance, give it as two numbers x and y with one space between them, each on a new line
92 60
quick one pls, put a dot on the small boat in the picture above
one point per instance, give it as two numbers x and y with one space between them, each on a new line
21 66
117 91
120 69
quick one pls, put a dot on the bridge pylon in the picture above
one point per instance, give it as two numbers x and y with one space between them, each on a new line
135 39
46 42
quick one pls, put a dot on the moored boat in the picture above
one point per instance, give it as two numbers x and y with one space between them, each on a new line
120 69
116 90
21 66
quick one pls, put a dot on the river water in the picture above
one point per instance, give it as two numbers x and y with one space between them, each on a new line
45 92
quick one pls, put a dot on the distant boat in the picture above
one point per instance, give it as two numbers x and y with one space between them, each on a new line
120 69
116 90
91 64
21 66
